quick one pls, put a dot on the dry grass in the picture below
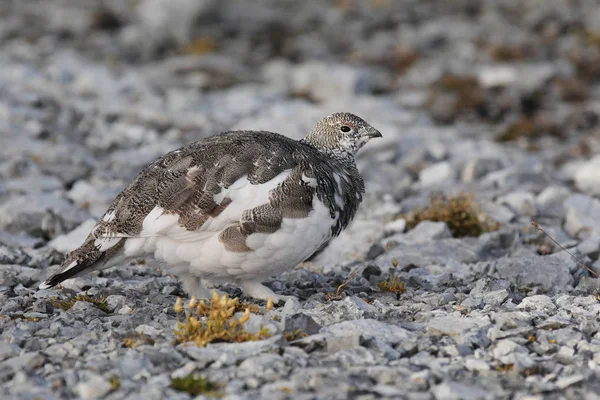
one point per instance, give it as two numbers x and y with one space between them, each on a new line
114 383
195 385
99 302
134 340
393 284
297 334
460 213
214 322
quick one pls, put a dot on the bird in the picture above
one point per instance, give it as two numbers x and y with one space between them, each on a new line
239 206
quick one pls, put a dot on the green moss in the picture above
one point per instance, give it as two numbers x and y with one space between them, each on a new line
114 383
195 385
99 302
297 334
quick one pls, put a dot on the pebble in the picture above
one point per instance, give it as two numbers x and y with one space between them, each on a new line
523 203
436 174
586 177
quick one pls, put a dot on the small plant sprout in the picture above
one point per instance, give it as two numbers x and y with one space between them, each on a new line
393 284
216 322
192 303
177 307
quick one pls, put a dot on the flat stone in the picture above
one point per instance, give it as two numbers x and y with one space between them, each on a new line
454 325
538 302
436 174
523 203
582 214
94 388
301 322
337 343
549 273
458 391
550 201
427 231
586 177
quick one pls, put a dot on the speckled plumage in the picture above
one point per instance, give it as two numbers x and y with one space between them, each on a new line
247 196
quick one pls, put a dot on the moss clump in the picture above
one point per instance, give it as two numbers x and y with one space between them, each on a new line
215 322
200 46
136 339
99 302
114 383
24 318
460 213
195 385
453 95
393 284
297 334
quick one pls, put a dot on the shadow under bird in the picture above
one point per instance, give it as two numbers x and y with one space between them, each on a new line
239 206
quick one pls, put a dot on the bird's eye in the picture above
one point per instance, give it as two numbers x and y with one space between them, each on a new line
345 128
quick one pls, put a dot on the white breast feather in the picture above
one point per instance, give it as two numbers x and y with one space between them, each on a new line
200 252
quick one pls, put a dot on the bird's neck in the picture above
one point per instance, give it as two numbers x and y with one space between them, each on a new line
340 154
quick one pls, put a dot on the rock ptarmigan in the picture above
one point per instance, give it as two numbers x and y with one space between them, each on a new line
238 206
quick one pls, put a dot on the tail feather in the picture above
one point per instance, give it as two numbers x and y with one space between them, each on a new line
90 256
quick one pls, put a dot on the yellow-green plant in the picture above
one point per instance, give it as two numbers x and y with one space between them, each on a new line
214 322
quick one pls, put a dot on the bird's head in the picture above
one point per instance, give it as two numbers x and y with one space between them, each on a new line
341 134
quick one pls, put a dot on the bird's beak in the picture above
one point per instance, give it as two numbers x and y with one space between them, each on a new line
372 133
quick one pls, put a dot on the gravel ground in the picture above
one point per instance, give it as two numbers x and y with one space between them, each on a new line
499 99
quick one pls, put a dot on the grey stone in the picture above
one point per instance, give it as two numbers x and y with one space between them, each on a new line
523 203
8 350
369 328
548 273
479 167
496 297
25 362
582 214
337 343
507 347
436 174
94 387
428 230
538 302
459 391
550 201
455 325
586 177
301 322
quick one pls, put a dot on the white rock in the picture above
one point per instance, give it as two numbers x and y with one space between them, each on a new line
582 214
323 81
95 388
494 76
506 346
395 226
171 19
474 364
479 167
538 302
426 231
521 202
436 174
587 177
550 201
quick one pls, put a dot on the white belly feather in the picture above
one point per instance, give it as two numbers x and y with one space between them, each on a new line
200 252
